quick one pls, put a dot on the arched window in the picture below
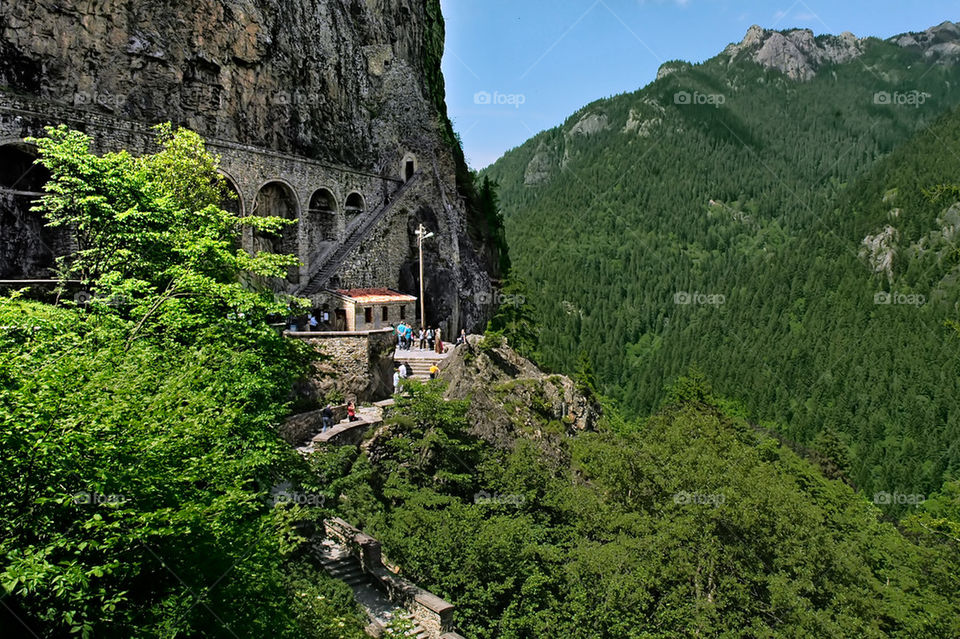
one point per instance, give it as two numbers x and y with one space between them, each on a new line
354 204
323 215
234 202
277 199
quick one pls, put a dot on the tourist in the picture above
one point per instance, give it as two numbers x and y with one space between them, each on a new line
326 417
312 322
434 369
404 370
396 381
439 342
407 336
430 337
400 336
351 412
463 337
422 341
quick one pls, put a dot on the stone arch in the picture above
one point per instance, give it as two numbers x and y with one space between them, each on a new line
28 247
234 204
323 213
276 198
408 167
354 204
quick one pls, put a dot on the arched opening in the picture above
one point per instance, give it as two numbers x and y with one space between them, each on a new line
408 167
323 216
276 199
232 202
28 247
354 204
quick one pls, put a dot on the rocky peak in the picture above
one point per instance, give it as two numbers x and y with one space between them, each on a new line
797 53
939 44
672 67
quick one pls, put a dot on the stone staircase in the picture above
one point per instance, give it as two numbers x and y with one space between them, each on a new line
340 564
419 368
327 265
420 361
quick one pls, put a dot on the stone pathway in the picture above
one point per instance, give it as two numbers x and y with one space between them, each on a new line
340 564
367 416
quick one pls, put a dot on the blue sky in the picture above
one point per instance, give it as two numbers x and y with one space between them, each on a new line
516 67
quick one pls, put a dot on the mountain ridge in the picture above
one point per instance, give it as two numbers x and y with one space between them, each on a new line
703 223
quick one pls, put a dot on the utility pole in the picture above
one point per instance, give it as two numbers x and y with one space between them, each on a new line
421 236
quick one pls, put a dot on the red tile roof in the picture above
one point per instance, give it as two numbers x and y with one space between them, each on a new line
374 295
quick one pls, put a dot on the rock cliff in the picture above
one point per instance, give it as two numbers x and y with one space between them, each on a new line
510 397
353 83
339 80
797 53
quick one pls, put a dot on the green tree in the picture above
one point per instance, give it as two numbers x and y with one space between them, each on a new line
149 231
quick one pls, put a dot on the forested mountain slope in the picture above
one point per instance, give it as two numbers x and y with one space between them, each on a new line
771 225
688 523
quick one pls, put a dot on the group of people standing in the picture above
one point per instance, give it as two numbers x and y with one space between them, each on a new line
425 338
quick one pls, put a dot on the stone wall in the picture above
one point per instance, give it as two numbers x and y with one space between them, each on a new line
297 429
358 365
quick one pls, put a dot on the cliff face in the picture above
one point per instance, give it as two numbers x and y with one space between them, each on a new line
340 80
355 83
797 53
800 55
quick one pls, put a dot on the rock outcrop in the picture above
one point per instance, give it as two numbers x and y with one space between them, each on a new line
338 80
940 44
796 53
879 250
511 398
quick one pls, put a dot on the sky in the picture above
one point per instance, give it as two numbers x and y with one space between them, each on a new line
516 67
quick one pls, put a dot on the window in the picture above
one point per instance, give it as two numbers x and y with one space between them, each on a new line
403 312
385 315
368 315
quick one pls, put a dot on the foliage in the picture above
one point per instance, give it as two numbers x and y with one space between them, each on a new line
732 236
692 523
515 320
136 474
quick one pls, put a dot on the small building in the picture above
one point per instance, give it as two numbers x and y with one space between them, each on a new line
367 309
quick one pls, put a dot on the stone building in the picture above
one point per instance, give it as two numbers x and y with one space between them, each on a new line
366 309
325 112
